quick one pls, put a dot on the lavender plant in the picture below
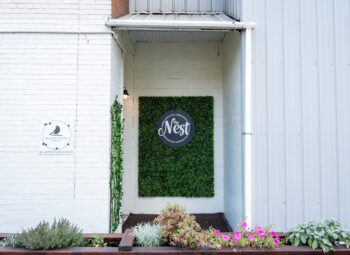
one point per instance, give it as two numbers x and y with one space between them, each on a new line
60 234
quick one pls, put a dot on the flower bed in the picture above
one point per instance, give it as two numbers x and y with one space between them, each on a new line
116 239
284 250
183 235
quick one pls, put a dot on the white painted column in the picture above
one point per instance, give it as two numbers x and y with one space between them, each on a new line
247 124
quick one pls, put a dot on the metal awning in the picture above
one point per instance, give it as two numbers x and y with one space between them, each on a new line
178 22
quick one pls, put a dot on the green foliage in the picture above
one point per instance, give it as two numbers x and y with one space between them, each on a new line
324 235
259 238
149 234
179 227
61 234
11 242
186 236
98 241
116 165
187 171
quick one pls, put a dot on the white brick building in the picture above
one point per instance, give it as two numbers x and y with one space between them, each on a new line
55 63
59 60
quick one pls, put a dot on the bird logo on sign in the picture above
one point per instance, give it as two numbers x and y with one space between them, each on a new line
56 136
56 131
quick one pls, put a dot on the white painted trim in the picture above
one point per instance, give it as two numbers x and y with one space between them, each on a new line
177 25
247 125
115 37
53 32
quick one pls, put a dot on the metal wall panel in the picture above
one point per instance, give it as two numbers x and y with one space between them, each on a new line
310 111
181 6
233 8
165 36
217 6
342 73
301 74
132 6
205 5
192 6
293 111
141 5
154 6
167 5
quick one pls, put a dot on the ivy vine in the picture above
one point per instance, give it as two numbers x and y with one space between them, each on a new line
116 165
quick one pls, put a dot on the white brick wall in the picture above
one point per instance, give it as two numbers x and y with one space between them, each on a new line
54 76
172 69
57 15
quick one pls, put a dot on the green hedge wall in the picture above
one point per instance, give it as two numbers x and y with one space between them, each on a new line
187 171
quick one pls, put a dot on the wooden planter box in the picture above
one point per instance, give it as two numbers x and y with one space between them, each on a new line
287 250
126 246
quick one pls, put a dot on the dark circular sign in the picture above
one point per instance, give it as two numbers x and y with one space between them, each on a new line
175 128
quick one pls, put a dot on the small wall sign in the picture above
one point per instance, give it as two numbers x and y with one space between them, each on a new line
175 128
56 138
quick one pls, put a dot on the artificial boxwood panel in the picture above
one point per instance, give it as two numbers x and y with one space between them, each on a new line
187 171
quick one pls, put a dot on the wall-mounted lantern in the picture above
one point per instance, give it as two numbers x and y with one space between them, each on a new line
126 94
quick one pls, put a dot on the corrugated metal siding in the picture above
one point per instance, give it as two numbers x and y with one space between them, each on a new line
164 36
178 6
301 74
233 8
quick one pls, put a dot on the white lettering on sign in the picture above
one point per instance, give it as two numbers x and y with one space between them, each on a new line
175 128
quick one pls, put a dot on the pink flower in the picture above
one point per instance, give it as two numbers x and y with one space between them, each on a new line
219 247
244 225
276 241
274 234
257 228
260 231
237 236
251 237
225 237
216 232
262 234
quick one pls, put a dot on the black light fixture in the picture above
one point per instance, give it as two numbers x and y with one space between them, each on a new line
126 94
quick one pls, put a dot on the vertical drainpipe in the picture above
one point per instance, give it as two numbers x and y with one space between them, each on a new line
247 123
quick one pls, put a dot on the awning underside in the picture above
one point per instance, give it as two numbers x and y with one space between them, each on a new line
174 36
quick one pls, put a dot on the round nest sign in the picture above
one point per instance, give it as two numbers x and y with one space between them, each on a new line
175 128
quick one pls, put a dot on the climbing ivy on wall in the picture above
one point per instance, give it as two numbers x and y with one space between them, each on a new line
186 171
116 165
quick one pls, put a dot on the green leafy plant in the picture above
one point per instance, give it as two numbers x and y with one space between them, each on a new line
116 165
61 234
149 234
186 236
173 218
187 171
98 241
324 235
